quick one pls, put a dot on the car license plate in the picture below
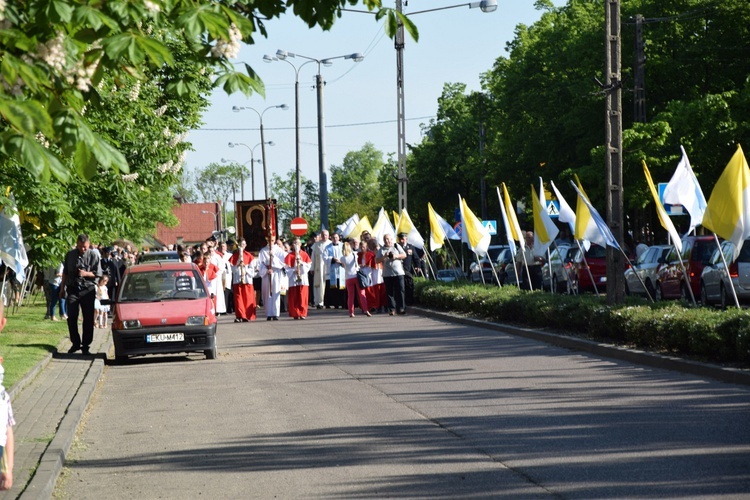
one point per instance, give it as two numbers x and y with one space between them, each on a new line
165 337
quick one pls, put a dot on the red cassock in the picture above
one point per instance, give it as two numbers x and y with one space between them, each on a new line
375 293
209 272
244 293
298 294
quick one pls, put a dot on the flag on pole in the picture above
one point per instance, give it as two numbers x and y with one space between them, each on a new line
506 223
362 225
346 228
728 209
515 229
585 227
439 229
474 233
405 225
567 215
664 219
396 219
683 189
383 226
12 251
545 230
601 231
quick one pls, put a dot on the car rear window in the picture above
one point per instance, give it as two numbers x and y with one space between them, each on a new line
744 252
152 286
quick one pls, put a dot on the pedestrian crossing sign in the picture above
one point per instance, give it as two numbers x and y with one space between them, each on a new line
553 209
491 226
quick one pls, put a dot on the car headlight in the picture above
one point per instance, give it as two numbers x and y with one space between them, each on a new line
129 324
196 320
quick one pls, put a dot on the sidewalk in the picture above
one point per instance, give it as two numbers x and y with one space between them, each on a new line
48 404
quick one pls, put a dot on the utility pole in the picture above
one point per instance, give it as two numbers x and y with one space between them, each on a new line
613 155
401 114
639 100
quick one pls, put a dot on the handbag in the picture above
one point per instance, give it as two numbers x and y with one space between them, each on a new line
363 278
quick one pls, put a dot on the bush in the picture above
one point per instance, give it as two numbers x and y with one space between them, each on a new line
666 326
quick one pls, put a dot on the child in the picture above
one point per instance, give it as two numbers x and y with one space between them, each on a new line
7 444
101 312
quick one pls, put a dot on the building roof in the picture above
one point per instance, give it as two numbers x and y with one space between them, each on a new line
197 221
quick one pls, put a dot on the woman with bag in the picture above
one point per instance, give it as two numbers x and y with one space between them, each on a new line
353 287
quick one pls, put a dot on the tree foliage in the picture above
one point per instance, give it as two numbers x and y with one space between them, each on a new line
284 190
355 184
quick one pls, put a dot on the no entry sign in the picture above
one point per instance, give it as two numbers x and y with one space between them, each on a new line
298 226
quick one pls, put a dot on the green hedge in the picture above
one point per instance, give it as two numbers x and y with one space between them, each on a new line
667 327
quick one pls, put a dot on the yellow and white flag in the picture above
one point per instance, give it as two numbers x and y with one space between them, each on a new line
405 225
362 225
382 227
586 228
664 219
439 229
728 209
473 232
515 229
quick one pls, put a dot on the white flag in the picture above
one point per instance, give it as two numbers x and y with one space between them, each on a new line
683 189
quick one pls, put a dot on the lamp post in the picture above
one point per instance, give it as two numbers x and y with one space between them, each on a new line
485 6
260 114
322 175
252 165
215 215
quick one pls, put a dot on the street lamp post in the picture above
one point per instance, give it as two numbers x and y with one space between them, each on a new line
322 175
269 59
215 215
260 114
485 6
252 165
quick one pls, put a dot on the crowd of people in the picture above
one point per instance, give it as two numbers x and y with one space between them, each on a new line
354 273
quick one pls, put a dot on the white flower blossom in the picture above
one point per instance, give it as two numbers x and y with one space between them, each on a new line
152 7
135 92
166 132
130 177
165 167
53 53
160 110
177 139
41 139
2 10
228 49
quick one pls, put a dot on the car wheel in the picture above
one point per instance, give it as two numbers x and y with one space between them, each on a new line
685 293
724 296
658 294
704 295
211 353
627 289
120 358
650 288
555 285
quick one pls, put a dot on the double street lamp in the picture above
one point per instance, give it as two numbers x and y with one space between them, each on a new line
263 142
282 55
252 166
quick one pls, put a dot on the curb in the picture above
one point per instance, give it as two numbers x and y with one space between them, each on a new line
729 375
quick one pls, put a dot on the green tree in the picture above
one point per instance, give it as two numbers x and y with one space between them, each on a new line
284 190
355 184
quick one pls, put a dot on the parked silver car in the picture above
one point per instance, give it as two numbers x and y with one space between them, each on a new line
715 283
646 268
557 270
497 255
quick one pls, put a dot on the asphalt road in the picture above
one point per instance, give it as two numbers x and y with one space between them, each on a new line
405 407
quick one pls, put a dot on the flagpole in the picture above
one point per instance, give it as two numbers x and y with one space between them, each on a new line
562 266
583 255
638 276
726 270
526 265
549 269
481 272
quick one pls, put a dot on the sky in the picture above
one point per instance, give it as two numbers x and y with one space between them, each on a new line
359 99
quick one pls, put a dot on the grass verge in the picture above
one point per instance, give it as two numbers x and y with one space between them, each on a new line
27 339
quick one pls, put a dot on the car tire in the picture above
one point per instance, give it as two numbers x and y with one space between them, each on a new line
650 288
120 358
658 294
685 294
211 353
627 289
704 295
724 296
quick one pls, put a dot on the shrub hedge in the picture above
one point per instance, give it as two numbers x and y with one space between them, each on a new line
667 327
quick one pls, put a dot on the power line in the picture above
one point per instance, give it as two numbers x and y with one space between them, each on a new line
361 124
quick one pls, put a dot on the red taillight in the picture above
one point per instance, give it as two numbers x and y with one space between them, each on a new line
734 271
486 265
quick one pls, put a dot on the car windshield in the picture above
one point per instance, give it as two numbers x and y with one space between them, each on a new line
158 285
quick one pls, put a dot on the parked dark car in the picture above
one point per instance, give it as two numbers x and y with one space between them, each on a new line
163 308
696 254
497 255
715 286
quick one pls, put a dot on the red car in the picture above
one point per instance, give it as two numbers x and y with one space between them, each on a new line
696 254
596 258
163 308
